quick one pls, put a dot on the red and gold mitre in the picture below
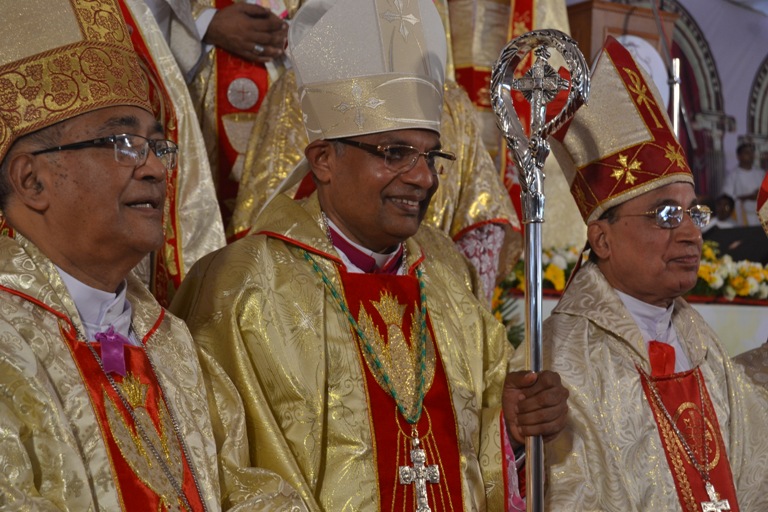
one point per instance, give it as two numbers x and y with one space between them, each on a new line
621 145
63 58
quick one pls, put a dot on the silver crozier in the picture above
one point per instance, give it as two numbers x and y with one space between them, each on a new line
540 85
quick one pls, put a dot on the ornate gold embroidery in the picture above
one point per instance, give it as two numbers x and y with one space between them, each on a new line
694 436
132 445
626 170
675 156
675 450
399 358
644 97
98 70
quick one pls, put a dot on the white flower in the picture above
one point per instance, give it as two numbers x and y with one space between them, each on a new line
560 261
762 292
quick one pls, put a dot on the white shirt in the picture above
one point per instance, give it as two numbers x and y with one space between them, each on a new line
100 310
739 182
655 324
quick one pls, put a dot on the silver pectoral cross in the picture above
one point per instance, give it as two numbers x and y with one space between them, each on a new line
715 504
419 475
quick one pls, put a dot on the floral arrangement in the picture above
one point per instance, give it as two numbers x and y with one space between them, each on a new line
720 279
720 276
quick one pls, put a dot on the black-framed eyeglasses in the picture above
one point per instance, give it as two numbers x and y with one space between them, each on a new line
400 158
131 150
670 216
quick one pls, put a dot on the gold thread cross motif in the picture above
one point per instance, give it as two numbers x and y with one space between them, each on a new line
420 475
715 504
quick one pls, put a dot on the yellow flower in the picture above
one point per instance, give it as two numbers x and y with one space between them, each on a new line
706 272
740 285
496 303
708 253
556 276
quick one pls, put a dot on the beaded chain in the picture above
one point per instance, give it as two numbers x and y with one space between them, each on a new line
379 367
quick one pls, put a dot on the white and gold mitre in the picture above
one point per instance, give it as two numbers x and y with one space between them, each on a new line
368 66
63 58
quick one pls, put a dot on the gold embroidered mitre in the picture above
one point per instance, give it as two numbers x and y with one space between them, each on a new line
368 66
63 58
621 145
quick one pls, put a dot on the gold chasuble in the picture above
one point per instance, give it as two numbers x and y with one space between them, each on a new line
227 92
71 440
320 411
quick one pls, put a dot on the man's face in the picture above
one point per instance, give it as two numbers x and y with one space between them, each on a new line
101 212
643 260
746 157
372 205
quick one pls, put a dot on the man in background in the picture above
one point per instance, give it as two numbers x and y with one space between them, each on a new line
742 184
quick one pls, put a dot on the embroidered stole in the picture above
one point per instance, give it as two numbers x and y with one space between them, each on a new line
680 395
387 309
140 480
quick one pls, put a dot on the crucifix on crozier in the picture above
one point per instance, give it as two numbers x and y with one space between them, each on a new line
419 475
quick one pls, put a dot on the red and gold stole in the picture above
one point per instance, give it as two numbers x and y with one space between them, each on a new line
695 418
387 309
141 481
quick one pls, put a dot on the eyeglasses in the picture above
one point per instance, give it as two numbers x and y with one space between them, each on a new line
400 158
670 216
130 150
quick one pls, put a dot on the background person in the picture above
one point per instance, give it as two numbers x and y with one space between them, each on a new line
742 184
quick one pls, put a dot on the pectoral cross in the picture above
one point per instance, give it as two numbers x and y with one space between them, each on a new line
419 475
715 504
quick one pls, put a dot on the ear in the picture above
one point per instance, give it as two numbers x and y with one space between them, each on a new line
26 182
321 156
598 238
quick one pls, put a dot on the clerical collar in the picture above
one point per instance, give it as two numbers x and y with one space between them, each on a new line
655 324
100 310
359 259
